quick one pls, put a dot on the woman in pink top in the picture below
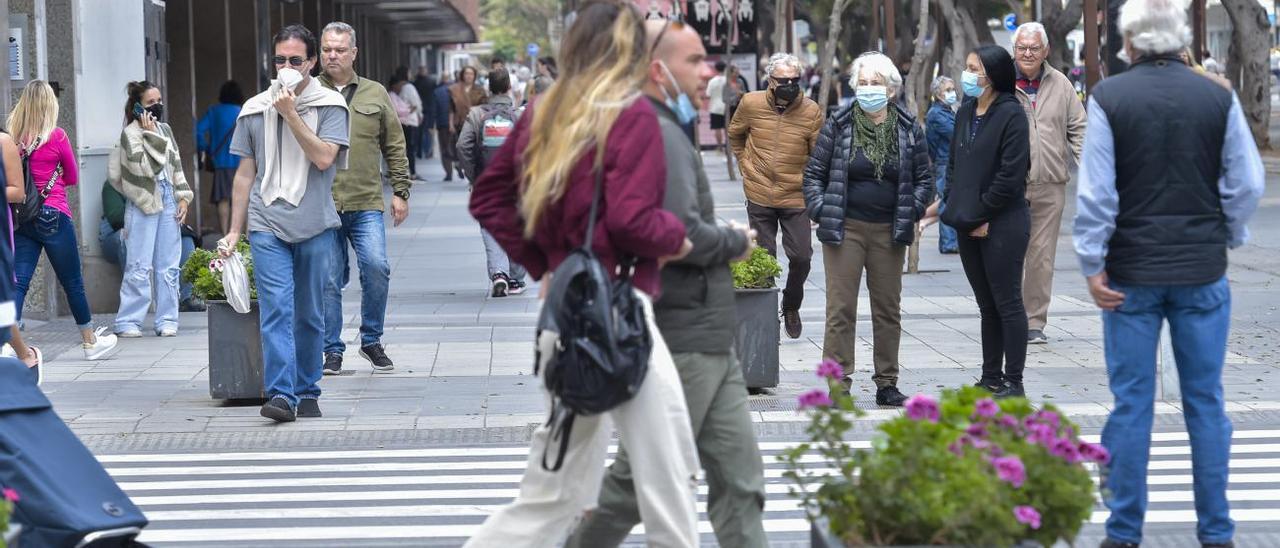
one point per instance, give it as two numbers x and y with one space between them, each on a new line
48 153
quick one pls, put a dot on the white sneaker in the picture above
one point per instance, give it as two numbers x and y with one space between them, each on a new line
168 332
130 334
104 346
7 351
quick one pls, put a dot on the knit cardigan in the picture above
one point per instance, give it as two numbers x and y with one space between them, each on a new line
139 159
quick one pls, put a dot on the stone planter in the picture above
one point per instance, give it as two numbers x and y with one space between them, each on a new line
757 336
12 535
235 353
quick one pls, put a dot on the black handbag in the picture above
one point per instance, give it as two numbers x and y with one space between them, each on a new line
27 211
602 352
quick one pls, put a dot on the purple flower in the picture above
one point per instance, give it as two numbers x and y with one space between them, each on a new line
977 430
986 408
1027 515
1094 452
1048 417
1008 421
829 369
1010 469
922 407
815 398
11 494
1065 449
1042 434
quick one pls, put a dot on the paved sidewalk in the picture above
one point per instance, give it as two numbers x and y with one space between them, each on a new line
463 360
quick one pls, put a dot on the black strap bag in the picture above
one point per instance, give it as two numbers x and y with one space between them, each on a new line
207 156
602 352
27 211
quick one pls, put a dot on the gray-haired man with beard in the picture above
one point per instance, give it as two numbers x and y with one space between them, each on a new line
695 314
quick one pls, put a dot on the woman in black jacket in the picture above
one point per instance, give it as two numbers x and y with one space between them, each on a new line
986 203
866 184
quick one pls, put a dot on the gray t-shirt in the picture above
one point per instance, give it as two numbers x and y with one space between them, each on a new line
316 212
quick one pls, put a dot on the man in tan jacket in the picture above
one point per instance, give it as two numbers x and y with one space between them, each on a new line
772 133
1057 135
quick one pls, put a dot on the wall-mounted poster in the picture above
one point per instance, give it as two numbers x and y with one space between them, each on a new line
717 21
16 66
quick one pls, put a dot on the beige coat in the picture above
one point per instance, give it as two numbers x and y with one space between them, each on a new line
1057 128
772 149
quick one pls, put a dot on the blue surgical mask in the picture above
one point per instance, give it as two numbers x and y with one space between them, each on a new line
872 98
681 105
950 97
969 81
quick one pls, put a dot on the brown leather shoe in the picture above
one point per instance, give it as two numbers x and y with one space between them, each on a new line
791 320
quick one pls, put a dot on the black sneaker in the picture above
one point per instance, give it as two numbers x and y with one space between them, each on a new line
278 410
1010 390
1109 543
500 285
791 321
377 357
332 363
515 287
308 408
1227 544
990 384
1036 336
890 396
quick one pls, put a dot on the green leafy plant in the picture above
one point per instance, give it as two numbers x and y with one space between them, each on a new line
6 509
966 470
203 270
757 272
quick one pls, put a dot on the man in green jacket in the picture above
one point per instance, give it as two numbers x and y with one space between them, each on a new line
696 316
357 192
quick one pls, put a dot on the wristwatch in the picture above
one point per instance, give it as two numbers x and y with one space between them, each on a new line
402 194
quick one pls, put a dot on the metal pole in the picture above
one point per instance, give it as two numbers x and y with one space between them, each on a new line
1198 30
1091 44
791 25
191 69
728 53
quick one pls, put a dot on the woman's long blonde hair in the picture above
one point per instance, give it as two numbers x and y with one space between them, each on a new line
602 66
35 115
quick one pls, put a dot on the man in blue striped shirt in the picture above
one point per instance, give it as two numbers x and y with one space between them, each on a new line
1169 178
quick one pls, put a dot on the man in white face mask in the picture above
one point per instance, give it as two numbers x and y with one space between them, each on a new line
292 139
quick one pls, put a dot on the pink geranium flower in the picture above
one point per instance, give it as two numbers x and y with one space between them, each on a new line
1027 515
829 369
1094 452
922 407
815 398
1010 469
1065 449
985 408
11 494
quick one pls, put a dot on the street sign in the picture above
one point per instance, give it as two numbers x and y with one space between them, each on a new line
1011 22
532 49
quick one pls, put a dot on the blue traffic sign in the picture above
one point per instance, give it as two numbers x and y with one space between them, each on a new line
1011 22
532 49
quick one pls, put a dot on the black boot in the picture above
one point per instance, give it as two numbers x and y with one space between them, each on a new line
990 384
1010 389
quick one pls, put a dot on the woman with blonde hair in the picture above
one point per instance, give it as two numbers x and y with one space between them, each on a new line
149 175
535 198
53 168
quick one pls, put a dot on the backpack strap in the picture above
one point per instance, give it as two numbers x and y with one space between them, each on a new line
560 424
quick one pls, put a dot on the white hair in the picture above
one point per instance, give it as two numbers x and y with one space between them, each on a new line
1156 26
936 87
340 28
1037 28
783 60
880 64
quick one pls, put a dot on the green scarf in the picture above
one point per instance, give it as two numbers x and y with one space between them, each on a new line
878 142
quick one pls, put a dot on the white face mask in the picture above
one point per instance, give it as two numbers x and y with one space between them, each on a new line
289 78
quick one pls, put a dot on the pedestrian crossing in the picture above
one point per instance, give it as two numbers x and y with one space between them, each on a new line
439 496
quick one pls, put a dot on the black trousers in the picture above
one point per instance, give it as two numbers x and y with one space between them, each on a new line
994 268
797 243
410 147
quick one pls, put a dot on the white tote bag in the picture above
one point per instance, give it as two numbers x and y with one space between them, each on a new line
235 282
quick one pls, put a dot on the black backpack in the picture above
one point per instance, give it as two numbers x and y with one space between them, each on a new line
602 354
27 211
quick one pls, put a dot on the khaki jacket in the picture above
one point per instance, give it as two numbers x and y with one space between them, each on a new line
462 101
772 149
376 135
1057 128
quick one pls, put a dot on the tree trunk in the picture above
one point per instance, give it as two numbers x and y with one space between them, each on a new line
964 34
917 85
1058 22
829 52
780 26
1248 64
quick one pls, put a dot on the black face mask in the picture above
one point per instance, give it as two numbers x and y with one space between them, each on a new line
786 92
156 110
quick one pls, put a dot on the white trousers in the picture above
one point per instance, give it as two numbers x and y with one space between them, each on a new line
654 426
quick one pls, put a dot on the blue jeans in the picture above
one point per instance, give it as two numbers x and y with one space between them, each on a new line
52 232
112 243
424 141
946 234
290 280
367 234
153 249
1199 319
497 260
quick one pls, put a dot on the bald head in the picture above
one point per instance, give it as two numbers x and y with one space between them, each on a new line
678 63
675 41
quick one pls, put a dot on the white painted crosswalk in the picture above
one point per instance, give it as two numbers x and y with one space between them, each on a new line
439 496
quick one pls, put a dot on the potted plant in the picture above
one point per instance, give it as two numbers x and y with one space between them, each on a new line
235 339
757 338
966 470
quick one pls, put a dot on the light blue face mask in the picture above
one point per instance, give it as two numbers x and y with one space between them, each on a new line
681 105
969 81
950 97
872 98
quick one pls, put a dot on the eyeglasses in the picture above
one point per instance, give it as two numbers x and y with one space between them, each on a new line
295 60
1028 49
785 81
678 24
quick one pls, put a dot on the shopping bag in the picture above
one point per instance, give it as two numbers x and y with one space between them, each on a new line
235 283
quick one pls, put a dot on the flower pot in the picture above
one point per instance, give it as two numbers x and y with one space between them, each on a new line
235 353
757 336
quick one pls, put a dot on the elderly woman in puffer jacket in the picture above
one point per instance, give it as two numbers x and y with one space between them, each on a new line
867 183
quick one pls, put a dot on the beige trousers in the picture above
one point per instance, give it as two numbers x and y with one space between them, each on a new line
1047 201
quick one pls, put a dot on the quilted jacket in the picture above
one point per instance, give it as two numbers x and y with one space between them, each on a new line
772 148
826 181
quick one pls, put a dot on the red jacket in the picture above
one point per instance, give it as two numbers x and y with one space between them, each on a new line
631 220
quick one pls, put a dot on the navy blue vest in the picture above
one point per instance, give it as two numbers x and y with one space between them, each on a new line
1168 124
